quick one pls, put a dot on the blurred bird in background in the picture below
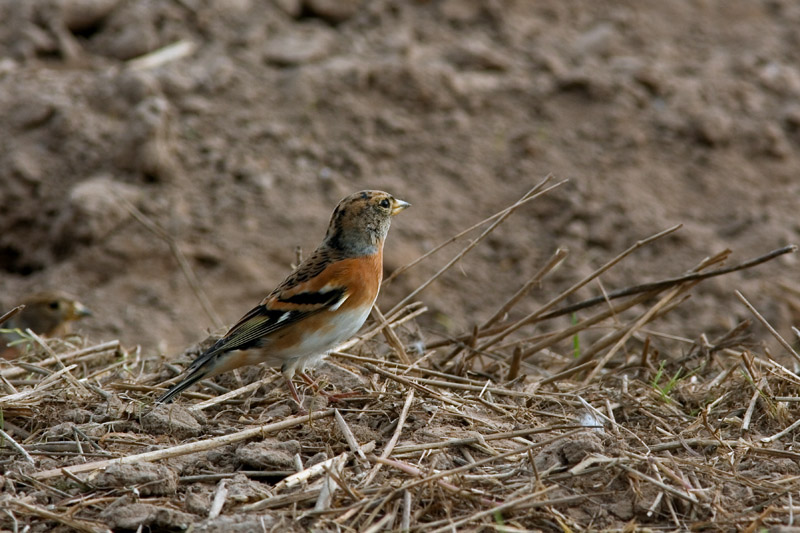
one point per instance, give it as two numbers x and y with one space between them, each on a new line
46 313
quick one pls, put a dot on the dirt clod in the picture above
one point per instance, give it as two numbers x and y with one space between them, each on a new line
149 479
136 515
568 452
171 420
268 454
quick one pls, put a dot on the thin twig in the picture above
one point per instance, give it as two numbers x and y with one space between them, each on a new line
488 460
411 383
663 486
46 383
81 355
165 54
629 331
14 444
232 394
348 434
220 496
780 434
752 405
186 267
669 282
536 314
453 443
457 236
72 379
191 447
769 327
79 525
558 256
585 324
387 451
391 337
512 504
533 193
11 313
630 291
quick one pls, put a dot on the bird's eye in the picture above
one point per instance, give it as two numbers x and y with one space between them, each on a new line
53 304
385 203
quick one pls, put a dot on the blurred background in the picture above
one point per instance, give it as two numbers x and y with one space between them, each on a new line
137 133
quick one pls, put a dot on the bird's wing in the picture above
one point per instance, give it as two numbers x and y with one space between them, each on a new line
267 318
297 298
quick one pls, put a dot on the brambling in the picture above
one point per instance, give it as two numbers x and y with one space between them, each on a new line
45 313
321 304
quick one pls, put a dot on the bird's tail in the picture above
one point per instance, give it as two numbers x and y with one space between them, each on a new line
209 364
181 386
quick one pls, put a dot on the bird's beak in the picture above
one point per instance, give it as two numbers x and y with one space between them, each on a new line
80 311
398 205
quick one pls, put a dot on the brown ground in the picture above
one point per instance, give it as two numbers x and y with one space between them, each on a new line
658 113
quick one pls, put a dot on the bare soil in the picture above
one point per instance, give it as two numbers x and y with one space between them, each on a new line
233 152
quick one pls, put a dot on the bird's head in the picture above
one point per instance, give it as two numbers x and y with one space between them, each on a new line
361 221
47 312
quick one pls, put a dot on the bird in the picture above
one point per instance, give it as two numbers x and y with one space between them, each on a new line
324 302
47 313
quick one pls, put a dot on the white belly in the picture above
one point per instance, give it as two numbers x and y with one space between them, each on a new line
314 347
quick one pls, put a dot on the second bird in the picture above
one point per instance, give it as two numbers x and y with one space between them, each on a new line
321 304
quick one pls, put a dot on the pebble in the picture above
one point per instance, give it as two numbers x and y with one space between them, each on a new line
308 43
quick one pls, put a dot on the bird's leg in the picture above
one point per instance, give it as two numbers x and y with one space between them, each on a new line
293 390
332 397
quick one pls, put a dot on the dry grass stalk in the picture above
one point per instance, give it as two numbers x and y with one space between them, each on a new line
494 510
561 297
651 288
528 198
391 337
467 451
185 449
671 282
78 525
78 356
390 446
558 256
13 312
5 437
454 443
166 54
535 192
220 496
410 383
630 330
33 395
180 257
348 434
583 325
769 327
72 381
222 398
